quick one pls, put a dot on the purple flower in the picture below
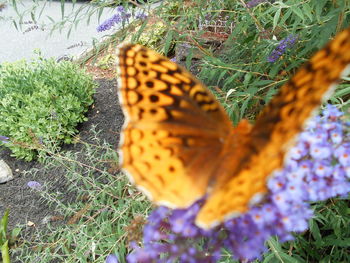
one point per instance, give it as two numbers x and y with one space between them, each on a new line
298 151
254 3
320 150
35 185
323 168
283 45
316 169
331 112
112 259
119 17
343 154
4 139
336 135
141 16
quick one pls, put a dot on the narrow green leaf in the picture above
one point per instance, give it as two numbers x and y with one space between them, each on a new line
32 15
168 41
286 16
15 24
5 253
62 8
14 5
276 18
189 58
296 10
136 36
307 10
3 225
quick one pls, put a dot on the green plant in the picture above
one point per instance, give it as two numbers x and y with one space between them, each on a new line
153 36
98 219
3 238
106 62
42 101
244 80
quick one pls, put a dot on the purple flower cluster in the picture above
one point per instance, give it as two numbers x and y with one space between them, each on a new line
284 44
317 168
35 185
112 259
141 16
254 3
119 17
4 139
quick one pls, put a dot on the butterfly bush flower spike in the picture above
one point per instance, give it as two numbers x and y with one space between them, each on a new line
283 45
35 185
254 3
112 259
4 139
120 16
317 168
141 16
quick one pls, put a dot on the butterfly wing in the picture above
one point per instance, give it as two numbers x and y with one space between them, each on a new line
274 131
174 131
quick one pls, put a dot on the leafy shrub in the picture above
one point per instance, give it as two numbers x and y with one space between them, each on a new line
41 101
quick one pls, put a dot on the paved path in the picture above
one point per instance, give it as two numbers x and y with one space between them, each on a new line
16 44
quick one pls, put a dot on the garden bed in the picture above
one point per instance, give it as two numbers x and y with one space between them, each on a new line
25 204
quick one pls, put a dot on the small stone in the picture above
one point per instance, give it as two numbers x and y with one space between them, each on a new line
5 172
30 223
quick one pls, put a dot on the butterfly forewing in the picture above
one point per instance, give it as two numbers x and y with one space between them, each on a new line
175 130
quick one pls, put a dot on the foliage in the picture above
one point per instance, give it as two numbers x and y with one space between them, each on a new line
106 62
5 239
241 69
98 219
328 238
41 101
152 36
238 70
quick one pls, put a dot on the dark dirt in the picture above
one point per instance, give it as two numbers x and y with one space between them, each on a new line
24 203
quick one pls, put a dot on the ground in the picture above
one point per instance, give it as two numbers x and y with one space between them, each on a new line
24 203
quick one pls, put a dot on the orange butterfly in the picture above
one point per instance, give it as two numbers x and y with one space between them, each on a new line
178 144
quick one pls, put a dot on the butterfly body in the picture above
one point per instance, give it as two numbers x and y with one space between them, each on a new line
178 143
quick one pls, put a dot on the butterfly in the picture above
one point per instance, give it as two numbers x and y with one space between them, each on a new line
178 144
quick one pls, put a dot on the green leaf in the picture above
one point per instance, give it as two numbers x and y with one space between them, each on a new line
296 10
307 11
168 41
189 58
5 253
276 17
62 8
315 231
15 232
3 227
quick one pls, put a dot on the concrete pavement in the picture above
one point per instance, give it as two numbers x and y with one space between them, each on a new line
17 44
